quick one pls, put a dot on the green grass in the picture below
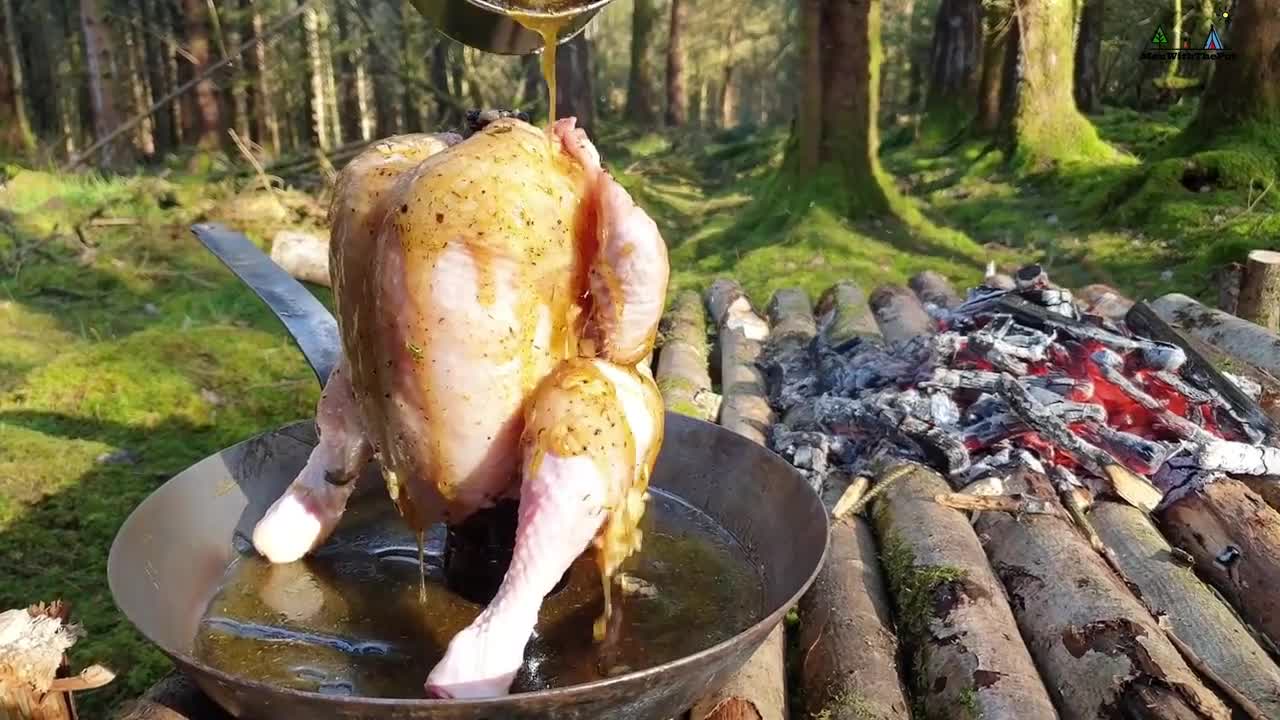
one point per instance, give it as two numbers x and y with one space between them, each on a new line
137 340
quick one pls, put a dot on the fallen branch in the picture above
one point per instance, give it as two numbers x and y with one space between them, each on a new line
843 314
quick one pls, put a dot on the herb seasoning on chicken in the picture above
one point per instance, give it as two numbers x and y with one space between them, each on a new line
497 297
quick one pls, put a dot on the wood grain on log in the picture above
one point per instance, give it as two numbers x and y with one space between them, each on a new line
1228 279
304 256
33 664
1195 614
1095 644
1234 537
1267 487
847 648
952 611
933 288
843 314
1105 301
1232 336
758 690
791 316
899 314
682 372
1260 290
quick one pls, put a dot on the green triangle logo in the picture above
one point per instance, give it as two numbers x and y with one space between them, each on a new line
1159 38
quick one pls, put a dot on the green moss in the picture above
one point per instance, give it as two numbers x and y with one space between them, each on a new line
969 706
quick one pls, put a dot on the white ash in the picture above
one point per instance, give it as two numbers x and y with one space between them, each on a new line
1251 388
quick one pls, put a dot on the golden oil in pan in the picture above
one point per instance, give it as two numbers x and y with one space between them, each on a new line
350 622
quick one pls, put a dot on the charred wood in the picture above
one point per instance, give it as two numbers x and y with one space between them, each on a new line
899 315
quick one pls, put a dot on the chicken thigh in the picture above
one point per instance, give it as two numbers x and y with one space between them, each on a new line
498 298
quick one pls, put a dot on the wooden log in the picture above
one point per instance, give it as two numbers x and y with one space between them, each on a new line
847 648
682 359
899 314
1228 278
1267 487
302 255
730 308
791 316
1097 647
758 690
1234 537
934 289
843 314
745 405
1195 614
173 698
1232 336
952 613
1104 301
1260 290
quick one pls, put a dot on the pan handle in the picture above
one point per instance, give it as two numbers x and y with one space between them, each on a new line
308 321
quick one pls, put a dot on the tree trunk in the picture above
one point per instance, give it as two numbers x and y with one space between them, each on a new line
574 74
839 104
1246 89
144 137
535 89
348 85
330 79
1088 51
103 82
446 113
264 101
677 90
955 68
211 126
729 80
316 95
240 83
1046 126
640 86
15 125
155 60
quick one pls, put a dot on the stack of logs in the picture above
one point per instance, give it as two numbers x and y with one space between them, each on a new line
1093 609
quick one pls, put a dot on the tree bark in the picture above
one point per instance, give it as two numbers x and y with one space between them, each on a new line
1088 52
840 103
574 81
265 113
1234 537
955 68
15 125
995 41
145 137
210 124
348 82
952 612
316 97
103 82
683 375
843 314
156 60
677 88
1247 89
729 82
640 84
899 314
1226 333
1259 300
849 653
1046 126
440 81
934 289
1095 644
1196 615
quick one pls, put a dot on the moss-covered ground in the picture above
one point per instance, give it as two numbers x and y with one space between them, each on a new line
129 354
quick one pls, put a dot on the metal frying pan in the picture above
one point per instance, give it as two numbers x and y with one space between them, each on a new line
173 551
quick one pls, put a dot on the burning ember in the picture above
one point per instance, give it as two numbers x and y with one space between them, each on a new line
1020 378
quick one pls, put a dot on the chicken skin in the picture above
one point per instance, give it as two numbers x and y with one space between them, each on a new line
497 300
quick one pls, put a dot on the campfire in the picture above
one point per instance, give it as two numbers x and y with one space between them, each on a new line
1018 378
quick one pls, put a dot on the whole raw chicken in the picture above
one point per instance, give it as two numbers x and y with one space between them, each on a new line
498 298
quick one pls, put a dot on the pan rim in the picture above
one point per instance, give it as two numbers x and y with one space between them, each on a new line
760 629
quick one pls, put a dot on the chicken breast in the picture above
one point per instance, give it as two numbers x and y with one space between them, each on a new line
497 298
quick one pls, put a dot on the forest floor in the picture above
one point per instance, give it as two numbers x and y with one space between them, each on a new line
128 353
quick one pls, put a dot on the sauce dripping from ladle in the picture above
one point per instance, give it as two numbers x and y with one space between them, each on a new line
548 26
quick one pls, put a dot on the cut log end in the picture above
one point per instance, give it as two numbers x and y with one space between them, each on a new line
843 314
1259 301
934 289
304 256
899 314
